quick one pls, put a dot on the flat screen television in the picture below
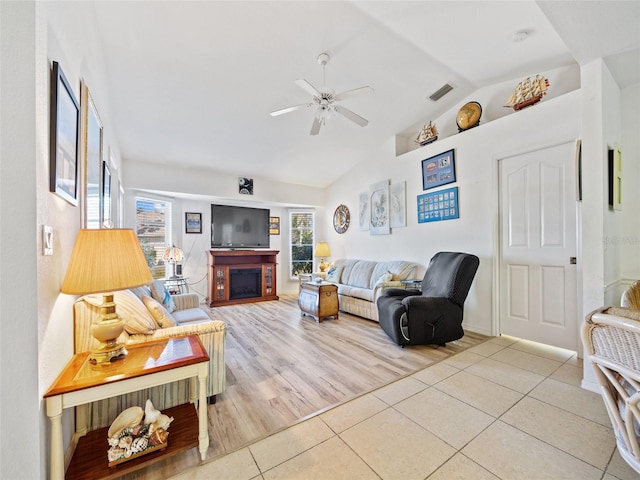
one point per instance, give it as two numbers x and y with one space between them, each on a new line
239 227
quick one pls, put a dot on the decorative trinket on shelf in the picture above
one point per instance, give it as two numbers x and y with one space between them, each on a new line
427 134
528 92
130 435
469 116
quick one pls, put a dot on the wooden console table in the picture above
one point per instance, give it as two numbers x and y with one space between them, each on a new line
220 266
146 365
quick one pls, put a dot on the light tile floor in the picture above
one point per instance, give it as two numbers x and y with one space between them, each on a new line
506 409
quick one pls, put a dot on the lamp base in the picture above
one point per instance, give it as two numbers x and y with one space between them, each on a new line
107 353
323 266
106 328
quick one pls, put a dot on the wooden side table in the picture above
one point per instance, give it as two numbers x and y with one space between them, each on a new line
146 365
319 300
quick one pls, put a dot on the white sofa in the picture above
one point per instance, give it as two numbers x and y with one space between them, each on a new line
144 322
361 282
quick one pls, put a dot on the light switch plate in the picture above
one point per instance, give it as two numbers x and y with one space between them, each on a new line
47 240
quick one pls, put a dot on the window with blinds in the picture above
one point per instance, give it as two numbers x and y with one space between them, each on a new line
302 241
153 227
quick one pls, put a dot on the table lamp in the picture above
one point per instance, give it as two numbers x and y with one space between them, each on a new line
172 255
104 261
322 251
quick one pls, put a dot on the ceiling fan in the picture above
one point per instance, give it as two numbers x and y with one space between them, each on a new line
326 100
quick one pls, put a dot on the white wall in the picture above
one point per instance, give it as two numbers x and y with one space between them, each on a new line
37 329
629 259
476 154
20 414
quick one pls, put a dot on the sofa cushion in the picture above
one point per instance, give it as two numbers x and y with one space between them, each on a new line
334 273
161 294
360 274
160 314
356 292
191 316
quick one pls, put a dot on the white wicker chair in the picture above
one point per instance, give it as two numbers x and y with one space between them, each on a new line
612 340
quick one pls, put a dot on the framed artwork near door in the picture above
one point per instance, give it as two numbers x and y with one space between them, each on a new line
439 170
615 178
437 206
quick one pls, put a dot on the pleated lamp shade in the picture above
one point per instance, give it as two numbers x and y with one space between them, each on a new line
105 260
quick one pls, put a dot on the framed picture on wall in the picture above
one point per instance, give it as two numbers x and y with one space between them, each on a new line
438 170
93 145
192 222
63 141
274 225
438 206
105 220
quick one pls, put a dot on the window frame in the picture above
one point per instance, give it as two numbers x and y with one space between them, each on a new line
291 245
160 269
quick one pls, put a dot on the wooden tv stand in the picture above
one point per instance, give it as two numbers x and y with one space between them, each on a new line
222 263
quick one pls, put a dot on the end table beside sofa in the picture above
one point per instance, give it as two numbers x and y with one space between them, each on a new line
147 319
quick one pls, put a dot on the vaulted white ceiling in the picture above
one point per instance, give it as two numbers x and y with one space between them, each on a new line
192 83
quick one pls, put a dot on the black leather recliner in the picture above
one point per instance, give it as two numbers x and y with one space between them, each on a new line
433 316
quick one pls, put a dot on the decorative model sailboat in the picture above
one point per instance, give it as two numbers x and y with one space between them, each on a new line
528 92
427 134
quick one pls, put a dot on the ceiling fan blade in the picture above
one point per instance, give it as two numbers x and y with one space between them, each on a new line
307 87
353 93
290 109
354 117
315 128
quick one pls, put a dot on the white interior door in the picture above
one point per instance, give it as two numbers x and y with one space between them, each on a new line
538 292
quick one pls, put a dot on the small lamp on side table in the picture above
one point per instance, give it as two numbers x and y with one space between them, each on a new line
322 251
173 255
104 261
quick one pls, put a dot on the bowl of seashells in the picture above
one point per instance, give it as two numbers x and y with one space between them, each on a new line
136 432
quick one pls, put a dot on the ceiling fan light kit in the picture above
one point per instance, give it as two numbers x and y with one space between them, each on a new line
326 101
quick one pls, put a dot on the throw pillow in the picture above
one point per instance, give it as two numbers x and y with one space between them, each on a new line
333 274
141 291
158 312
160 293
384 278
135 315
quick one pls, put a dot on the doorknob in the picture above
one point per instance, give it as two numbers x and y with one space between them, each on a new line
573 260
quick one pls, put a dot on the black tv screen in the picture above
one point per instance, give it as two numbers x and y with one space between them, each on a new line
239 227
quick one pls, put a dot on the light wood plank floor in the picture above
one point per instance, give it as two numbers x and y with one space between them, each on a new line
283 367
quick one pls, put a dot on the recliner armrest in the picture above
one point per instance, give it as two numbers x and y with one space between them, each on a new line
433 305
400 292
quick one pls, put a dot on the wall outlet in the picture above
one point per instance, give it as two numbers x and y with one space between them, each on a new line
47 240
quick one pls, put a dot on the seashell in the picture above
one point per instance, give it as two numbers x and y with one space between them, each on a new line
128 418
158 437
139 445
125 442
151 413
115 454
162 422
